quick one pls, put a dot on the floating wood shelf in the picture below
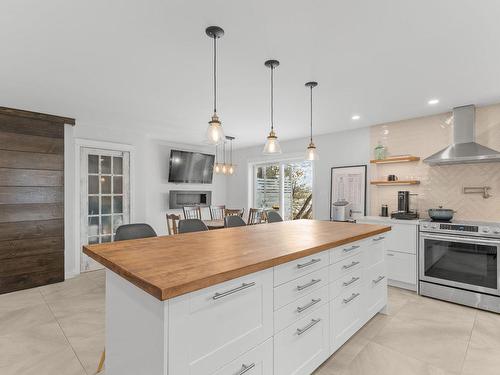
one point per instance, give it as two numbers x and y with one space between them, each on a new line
399 182
396 159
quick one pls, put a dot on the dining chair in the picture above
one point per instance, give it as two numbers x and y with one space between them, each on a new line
192 212
273 216
128 232
234 221
134 231
255 216
191 225
173 223
231 212
217 212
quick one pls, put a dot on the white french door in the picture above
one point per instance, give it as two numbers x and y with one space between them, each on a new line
104 197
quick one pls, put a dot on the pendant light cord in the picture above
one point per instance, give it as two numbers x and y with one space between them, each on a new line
215 74
311 114
272 97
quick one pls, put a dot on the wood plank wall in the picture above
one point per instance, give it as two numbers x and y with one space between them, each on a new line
31 199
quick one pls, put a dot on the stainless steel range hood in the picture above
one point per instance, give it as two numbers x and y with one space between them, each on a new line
464 149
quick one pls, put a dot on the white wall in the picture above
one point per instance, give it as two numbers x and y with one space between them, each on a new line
149 181
335 149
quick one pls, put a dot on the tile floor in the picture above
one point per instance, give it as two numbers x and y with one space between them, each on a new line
59 329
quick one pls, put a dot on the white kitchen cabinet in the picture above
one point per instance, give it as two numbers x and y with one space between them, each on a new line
375 289
300 348
346 313
258 361
300 267
402 268
402 238
215 325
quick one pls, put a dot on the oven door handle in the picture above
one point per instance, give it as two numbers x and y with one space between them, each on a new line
474 240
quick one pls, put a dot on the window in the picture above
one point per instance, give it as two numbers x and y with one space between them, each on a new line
284 186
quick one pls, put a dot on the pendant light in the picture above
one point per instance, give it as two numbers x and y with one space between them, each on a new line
224 165
230 167
272 145
215 134
217 164
311 153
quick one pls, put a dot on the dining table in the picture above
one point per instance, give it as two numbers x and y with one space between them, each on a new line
214 224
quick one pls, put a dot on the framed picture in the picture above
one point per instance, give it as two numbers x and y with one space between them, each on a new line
349 183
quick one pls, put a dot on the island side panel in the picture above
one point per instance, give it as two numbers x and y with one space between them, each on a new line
136 329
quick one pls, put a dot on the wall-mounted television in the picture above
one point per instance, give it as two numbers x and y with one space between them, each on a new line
190 167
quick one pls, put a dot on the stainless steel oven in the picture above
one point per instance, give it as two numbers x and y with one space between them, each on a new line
459 263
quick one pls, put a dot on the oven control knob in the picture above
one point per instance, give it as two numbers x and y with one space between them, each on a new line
486 230
496 231
425 225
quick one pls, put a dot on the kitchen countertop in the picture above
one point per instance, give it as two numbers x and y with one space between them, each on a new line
388 220
169 266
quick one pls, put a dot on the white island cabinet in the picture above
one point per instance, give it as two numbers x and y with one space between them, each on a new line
282 319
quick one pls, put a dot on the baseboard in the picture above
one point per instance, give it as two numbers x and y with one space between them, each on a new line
402 285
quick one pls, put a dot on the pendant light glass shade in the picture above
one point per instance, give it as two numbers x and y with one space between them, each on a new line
215 134
272 145
311 152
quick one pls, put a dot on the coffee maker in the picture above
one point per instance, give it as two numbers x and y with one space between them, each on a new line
404 212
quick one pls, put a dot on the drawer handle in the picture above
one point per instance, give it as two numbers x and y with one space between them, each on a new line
353 280
347 266
311 262
390 255
305 307
300 331
231 291
379 238
310 283
353 296
379 279
245 369
353 247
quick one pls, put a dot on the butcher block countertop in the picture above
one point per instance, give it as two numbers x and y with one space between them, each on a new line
170 266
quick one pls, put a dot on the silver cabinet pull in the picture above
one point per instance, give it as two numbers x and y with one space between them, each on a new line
300 331
353 247
305 307
379 238
347 300
231 291
353 280
379 279
310 283
311 262
390 255
245 369
347 266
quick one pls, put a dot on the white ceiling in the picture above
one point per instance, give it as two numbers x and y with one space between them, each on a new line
147 64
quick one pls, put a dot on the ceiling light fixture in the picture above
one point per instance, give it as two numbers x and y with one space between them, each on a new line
356 117
311 153
231 166
215 134
272 145
433 101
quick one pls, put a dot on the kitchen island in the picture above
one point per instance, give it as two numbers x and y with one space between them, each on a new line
265 299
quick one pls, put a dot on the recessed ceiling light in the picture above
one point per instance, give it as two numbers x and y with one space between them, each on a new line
433 101
356 117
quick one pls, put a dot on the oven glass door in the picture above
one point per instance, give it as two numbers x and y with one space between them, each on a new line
461 262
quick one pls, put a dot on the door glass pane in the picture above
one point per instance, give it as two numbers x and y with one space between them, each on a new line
117 221
106 164
105 205
117 185
93 229
117 165
106 239
267 187
106 225
105 185
461 262
93 185
117 204
93 164
93 240
298 190
94 205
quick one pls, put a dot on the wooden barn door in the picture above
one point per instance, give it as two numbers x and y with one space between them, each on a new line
31 199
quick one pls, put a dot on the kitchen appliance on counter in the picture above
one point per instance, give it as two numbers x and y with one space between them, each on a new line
404 212
458 262
341 210
440 214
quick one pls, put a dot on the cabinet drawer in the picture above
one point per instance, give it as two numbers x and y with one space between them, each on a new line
376 290
346 315
300 267
292 290
213 326
402 238
345 266
300 308
401 267
339 253
347 282
374 251
304 345
258 361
